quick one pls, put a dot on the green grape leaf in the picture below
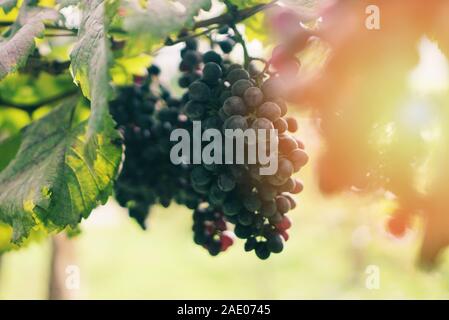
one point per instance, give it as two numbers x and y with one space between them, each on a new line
54 180
160 18
91 59
7 5
255 28
15 49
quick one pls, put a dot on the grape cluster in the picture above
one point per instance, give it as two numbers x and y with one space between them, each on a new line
146 114
225 96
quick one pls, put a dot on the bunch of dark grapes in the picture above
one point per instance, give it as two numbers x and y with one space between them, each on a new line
146 114
225 96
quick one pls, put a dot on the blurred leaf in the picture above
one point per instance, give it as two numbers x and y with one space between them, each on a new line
126 67
247 3
8 149
15 49
7 5
155 21
55 180
255 28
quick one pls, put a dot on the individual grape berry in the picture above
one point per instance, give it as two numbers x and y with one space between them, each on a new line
243 232
253 97
281 125
234 106
192 44
272 88
199 91
226 240
236 75
240 86
223 30
287 144
397 225
226 45
282 204
298 187
252 202
262 251
268 208
212 56
298 156
262 124
225 182
211 72
269 110
292 124
195 110
245 218
232 207
285 223
200 176
250 244
285 168
154 70
235 122
191 59
275 243
282 105
267 192
288 186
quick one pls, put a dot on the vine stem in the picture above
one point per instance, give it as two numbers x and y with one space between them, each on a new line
225 18
30 107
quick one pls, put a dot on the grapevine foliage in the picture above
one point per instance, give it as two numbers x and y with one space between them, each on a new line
66 146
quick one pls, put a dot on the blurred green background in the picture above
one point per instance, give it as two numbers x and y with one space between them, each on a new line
333 241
